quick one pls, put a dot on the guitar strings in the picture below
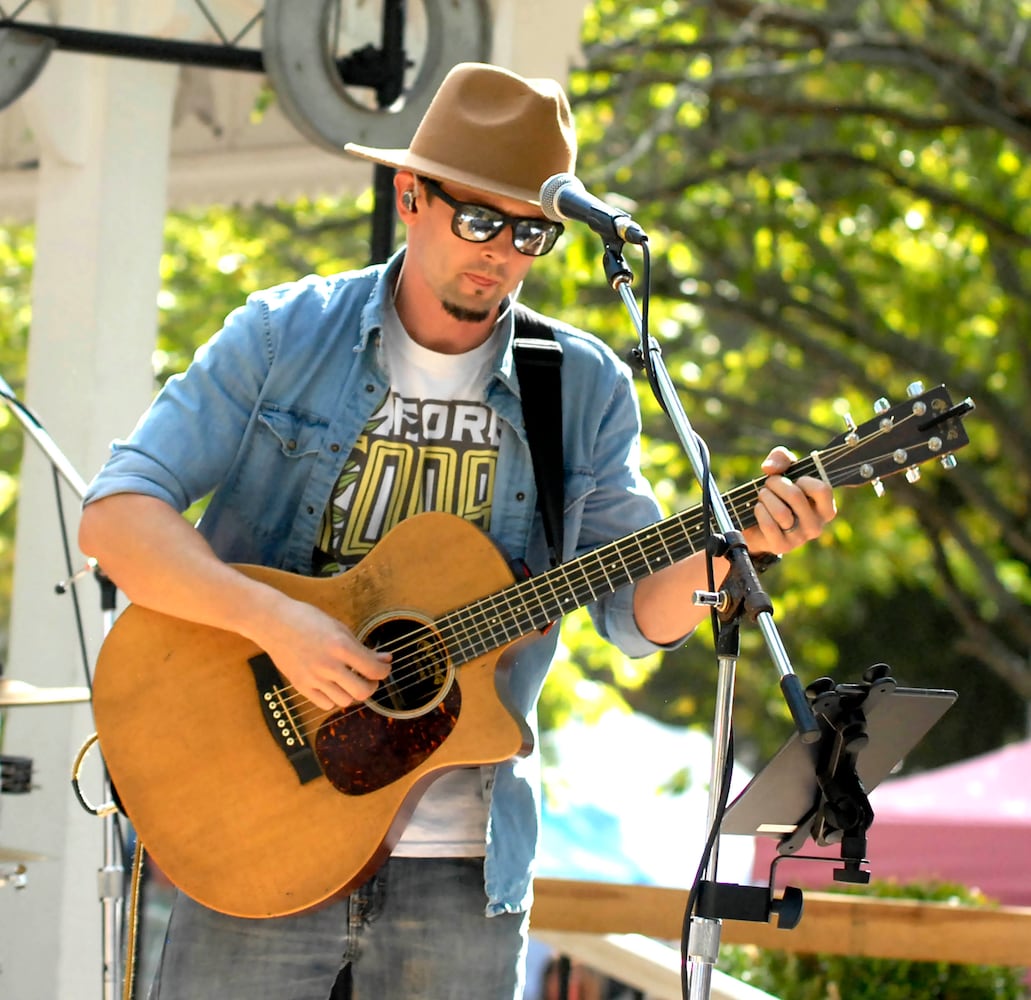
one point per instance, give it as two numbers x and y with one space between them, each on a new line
658 556
518 597
487 610
475 630
513 599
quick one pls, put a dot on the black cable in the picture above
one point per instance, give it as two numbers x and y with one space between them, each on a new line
77 611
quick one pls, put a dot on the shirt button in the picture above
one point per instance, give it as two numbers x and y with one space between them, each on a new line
311 510
291 444
370 388
334 447
520 495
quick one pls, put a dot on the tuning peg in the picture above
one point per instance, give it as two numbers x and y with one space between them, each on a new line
913 474
948 461
883 406
878 487
914 389
851 437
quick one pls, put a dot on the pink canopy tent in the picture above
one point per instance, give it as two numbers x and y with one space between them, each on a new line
968 823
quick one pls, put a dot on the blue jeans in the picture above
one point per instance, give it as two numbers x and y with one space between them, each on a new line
416 931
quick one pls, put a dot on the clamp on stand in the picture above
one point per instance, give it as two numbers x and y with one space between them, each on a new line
819 790
841 813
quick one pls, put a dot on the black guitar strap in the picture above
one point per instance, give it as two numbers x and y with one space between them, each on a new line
538 363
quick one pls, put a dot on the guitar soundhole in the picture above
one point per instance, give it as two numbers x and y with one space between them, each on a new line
413 711
420 672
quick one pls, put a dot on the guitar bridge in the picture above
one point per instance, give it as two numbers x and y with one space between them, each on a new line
280 720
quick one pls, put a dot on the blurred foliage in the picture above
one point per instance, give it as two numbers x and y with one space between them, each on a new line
840 977
836 198
216 256
17 253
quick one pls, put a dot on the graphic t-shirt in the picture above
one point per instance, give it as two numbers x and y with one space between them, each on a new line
432 445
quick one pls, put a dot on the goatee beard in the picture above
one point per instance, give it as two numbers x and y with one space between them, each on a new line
464 315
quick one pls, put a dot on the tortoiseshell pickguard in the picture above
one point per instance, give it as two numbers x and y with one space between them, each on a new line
361 750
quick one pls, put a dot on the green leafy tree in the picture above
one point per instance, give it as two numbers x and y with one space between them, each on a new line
214 257
836 195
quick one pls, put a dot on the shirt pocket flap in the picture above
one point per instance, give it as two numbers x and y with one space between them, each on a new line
299 433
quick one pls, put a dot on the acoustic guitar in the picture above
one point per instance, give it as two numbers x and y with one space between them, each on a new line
256 803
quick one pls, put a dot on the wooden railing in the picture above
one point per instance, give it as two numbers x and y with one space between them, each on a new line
643 964
831 923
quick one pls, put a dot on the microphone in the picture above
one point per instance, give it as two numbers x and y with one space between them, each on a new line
563 197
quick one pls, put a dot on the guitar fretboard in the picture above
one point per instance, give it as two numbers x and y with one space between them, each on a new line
532 604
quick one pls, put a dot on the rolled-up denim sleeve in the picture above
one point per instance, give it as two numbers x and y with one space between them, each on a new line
621 503
189 436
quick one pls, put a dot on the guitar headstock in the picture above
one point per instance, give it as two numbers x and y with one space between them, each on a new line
900 438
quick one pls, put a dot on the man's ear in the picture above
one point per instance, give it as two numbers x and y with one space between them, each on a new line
407 190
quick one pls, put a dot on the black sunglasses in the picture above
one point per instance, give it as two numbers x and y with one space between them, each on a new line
478 224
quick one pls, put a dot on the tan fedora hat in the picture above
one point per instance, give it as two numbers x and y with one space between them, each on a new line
489 129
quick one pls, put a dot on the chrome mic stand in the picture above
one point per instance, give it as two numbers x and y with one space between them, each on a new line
741 593
110 878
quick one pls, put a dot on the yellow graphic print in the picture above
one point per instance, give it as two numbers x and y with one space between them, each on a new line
413 456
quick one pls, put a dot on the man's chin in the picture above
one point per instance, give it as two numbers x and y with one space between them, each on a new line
464 314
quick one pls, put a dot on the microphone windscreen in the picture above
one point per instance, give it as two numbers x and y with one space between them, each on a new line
549 195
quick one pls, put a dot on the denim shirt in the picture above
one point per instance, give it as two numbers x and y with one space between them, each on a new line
267 413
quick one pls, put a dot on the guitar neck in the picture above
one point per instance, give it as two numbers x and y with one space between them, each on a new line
532 604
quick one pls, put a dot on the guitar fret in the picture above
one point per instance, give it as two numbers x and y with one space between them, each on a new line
487 624
608 579
644 555
564 598
544 613
587 587
602 578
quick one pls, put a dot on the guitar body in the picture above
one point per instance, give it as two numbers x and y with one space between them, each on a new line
212 795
